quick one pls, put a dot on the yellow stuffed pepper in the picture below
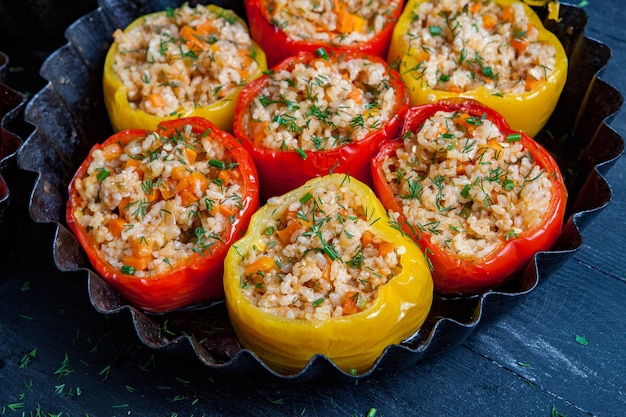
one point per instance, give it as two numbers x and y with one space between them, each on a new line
497 52
189 61
322 270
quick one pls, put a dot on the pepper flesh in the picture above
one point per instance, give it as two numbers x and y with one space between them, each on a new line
352 342
196 279
278 45
528 111
352 158
123 116
454 274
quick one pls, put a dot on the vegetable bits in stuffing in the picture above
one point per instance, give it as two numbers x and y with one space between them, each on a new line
317 113
495 51
151 207
322 271
479 197
189 61
319 260
284 28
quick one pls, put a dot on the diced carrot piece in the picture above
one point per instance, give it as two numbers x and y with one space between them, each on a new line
367 238
258 131
179 172
132 162
198 180
385 249
137 262
223 177
460 168
519 44
474 7
326 272
462 120
226 210
235 174
156 100
263 264
187 197
153 195
349 303
507 14
116 226
348 22
121 207
191 40
205 28
286 234
166 192
186 32
142 247
324 62
191 155
112 151
531 83
490 21
356 95
495 145
193 181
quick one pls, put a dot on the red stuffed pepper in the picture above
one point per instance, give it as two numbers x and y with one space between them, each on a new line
479 198
285 28
318 113
156 211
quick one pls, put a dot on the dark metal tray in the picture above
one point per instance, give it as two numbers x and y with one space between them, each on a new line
69 117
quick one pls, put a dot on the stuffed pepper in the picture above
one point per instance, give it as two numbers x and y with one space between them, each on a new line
496 52
156 211
321 270
478 197
316 113
285 28
189 61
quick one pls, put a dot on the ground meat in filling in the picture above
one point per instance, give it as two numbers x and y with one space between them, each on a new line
463 44
460 180
183 59
338 22
319 258
320 105
158 200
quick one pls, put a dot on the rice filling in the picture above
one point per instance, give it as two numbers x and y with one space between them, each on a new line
462 45
337 22
154 202
182 59
318 259
465 184
321 105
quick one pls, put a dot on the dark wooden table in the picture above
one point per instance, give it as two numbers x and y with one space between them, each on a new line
560 351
